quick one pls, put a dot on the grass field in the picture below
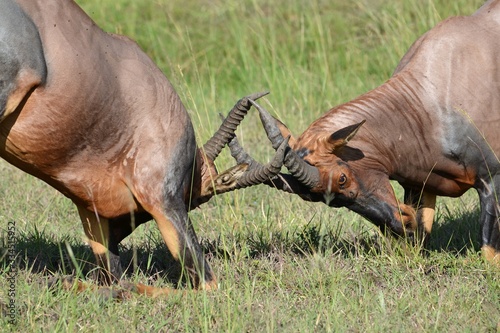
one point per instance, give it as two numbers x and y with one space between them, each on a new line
284 265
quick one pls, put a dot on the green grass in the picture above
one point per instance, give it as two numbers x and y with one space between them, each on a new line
284 265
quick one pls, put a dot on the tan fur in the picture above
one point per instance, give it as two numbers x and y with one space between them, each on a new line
169 235
96 229
491 255
426 211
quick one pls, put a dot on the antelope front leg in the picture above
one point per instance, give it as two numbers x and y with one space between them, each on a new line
426 211
179 236
425 205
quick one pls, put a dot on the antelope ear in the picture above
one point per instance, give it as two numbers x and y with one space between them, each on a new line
286 133
341 137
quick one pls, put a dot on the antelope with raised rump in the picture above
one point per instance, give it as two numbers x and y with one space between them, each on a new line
90 114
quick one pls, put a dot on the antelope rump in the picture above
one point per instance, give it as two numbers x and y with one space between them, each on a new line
90 114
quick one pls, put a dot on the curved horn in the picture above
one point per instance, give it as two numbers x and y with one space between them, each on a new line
242 176
305 173
225 133
240 155
257 173
283 182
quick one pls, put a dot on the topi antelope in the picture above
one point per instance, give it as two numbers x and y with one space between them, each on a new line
90 114
433 127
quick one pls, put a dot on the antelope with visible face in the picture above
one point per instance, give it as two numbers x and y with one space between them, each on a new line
90 114
433 127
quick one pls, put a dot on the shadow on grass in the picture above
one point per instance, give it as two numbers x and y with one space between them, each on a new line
454 233
41 253
458 234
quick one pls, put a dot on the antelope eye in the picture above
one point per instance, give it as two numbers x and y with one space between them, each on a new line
342 180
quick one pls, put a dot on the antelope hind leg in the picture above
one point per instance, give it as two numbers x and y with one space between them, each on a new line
490 221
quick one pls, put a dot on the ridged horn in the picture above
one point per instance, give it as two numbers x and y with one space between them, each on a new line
240 155
225 133
283 182
257 173
305 173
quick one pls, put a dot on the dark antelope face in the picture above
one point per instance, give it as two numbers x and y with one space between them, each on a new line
324 167
348 179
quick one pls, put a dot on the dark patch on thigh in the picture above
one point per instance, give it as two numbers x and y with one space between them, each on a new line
21 51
